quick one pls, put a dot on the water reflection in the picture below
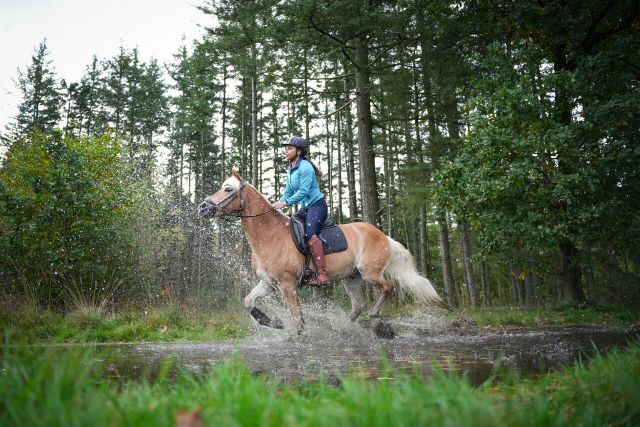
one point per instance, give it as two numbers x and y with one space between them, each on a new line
478 354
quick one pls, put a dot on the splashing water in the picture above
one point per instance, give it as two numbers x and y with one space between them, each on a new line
332 346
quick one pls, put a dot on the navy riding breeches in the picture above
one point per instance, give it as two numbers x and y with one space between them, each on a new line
314 215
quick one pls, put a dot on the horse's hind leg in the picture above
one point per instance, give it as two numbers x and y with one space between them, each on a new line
384 286
263 288
371 265
353 287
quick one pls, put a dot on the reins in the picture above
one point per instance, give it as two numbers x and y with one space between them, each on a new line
238 215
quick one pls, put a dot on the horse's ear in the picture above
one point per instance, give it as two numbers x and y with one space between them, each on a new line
237 176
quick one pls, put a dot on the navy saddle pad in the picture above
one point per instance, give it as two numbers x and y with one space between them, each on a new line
332 237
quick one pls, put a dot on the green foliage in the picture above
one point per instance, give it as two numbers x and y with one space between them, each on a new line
549 157
65 207
63 387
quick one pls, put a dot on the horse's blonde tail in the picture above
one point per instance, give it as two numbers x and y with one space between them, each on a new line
402 271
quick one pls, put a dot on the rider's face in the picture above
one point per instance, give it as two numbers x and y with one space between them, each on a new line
290 152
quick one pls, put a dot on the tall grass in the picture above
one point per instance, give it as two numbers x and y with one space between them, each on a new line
27 325
54 387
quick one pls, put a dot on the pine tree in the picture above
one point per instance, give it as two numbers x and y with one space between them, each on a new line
41 94
114 90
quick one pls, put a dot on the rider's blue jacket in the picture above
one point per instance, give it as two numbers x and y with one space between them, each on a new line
302 185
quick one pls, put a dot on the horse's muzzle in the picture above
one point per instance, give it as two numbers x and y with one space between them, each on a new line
207 209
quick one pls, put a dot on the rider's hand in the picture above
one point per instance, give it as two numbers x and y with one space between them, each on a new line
279 205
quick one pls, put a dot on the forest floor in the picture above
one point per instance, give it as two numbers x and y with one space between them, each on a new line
27 325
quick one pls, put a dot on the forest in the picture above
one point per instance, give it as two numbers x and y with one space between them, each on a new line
498 141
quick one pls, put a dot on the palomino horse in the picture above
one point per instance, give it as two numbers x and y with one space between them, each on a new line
371 256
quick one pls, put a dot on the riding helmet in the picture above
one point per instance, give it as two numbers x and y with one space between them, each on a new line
299 142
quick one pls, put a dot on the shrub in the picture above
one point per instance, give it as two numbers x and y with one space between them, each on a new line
65 209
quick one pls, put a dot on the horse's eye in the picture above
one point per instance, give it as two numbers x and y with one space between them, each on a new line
228 190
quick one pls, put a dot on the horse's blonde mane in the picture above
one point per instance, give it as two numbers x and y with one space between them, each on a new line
276 211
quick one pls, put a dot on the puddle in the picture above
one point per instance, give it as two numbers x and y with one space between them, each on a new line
330 348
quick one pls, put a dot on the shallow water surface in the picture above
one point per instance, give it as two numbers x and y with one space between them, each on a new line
328 350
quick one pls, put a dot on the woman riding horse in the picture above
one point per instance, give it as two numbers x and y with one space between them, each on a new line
302 187
370 257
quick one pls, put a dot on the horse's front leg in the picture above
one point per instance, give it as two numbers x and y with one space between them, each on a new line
290 295
263 288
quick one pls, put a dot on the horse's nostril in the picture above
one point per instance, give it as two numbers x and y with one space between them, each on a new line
207 208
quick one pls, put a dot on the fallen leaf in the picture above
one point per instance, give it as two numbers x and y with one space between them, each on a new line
191 418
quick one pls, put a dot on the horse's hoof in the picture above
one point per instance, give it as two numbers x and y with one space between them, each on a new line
383 330
276 323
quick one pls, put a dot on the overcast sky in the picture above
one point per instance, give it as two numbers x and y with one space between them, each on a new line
77 29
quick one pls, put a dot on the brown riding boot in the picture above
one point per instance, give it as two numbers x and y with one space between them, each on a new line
317 255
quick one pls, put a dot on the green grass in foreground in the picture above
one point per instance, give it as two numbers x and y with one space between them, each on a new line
40 387
552 316
27 326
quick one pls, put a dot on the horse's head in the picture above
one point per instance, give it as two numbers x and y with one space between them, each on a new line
227 200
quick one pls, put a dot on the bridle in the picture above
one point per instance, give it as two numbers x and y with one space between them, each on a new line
231 198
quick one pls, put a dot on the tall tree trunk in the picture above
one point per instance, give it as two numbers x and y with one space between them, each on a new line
529 289
223 166
422 225
242 129
445 257
329 147
570 272
468 265
339 154
515 294
307 116
386 167
254 129
349 151
591 285
276 156
484 281
181 174
368 185
260 153
290 113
